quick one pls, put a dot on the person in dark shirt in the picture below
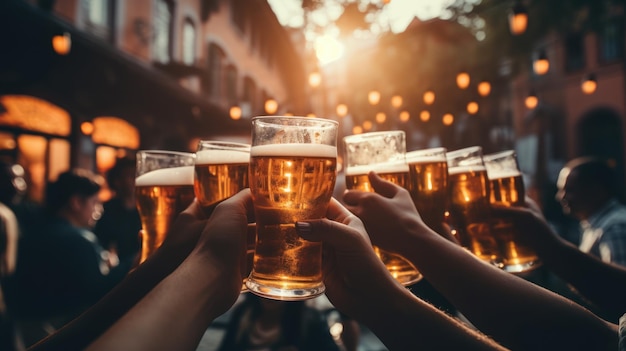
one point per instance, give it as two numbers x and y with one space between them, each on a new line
118 229
62 269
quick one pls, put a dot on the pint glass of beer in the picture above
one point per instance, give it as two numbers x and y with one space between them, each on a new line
506 187
469 203
293 168
428 184
221 171
384 153
163 188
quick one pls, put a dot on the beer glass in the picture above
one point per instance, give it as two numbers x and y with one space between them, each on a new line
428 184
506 187
163 188
221 171
293 168
384 153
469 203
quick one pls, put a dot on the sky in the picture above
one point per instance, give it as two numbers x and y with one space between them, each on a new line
397 14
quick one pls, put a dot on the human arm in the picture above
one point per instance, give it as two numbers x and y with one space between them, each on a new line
516 313
81 331
602 283
176 313
359 285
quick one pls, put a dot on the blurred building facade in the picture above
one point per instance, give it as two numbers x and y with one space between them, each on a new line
580 105
85 81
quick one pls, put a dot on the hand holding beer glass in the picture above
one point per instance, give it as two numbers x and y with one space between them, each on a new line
506 187
384 153
428 184
163 188
221 171
469 203
293 168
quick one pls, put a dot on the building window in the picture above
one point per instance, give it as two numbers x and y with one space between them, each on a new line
574 52
215 69
97 16
189 42
611 40
231 84
237 14
249 94
161 47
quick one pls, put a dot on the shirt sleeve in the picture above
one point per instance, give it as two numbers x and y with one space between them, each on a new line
613 244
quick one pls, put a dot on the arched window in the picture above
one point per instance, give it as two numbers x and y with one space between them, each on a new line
163 15
189 42
213 86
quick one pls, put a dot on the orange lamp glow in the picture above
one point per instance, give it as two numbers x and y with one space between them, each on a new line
472 107
484 88
235 113
447 119
463 80
373 97
86 128
62 44
424 116
405 116
342 110
396 101
589 84
271 106
429 97
367 126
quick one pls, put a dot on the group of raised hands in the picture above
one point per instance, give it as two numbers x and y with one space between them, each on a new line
168 302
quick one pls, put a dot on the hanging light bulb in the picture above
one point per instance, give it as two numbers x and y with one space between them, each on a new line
541 64
531 100
271 106
447 119
405 116
367 125
589 84
518 18
484 88
373 97
429 97
235 112
342 110
396 101
463 80
381 117
472 107
424 116
62 44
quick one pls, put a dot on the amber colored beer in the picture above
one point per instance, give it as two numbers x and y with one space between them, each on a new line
470 211
219 174
161 195
286 187
356 179
428 186
507 188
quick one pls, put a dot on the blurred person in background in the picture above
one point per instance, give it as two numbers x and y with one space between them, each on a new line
12 187
118 228
62 268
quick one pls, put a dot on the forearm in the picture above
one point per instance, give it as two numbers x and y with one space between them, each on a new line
602 283
174 315
409 323
87 327
502 305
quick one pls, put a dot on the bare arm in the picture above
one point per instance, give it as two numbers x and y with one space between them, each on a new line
513 311
602 283
359 285
176 313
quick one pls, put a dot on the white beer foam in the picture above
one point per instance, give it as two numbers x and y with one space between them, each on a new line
167 176
380 168
294 150
498 174
212 157
463 169
424 159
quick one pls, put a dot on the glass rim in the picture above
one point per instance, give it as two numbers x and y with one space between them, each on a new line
464 151
426 152
166 152
318 119
500 154
373 134
235 145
